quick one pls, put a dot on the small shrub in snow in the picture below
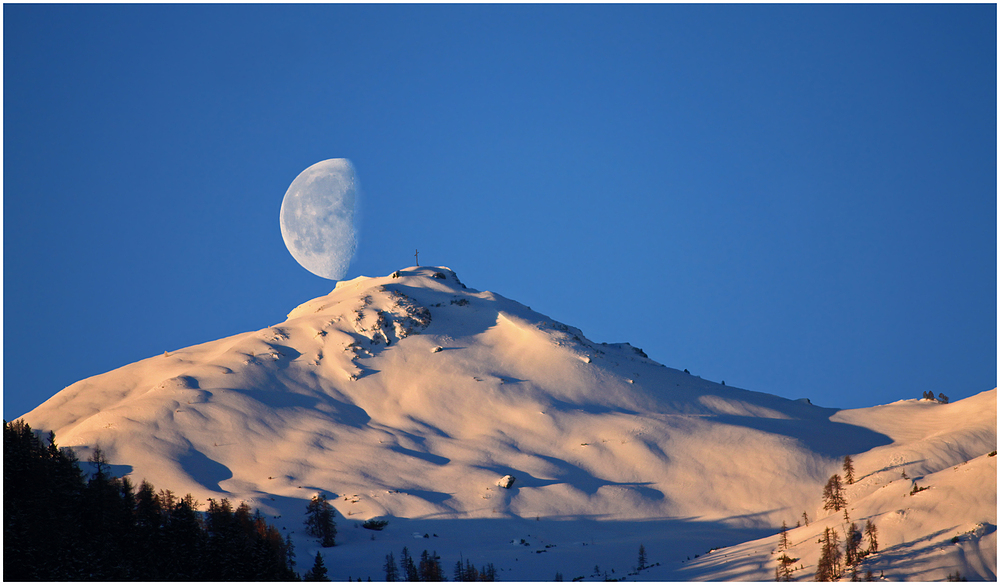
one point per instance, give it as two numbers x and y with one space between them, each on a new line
374 524
783 572
439 275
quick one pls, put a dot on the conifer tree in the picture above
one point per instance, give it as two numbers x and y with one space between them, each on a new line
185 540
824 571
783 572
62 507
872 533
852 541
226 541
104 518
471 574
318 570
783 538
642 557
167 500
833 494
407 566
391 572
848 470
430 567
319 520
149 519
290 555
828 567
835 554
488 573
148 513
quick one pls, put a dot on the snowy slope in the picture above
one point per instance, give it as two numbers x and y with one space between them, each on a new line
408 397
936 447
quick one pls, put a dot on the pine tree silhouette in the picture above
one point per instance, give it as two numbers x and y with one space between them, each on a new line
848 470
872 533
833 494
407 566
391 572
319 521
318 570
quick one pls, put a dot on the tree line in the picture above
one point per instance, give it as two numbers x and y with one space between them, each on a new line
63 526
429 568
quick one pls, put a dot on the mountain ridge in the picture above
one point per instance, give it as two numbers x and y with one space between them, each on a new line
411 394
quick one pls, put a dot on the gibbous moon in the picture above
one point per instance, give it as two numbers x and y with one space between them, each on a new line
317 217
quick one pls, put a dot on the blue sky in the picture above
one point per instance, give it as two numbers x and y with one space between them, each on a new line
795 199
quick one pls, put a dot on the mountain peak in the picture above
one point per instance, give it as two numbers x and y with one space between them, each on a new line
433 278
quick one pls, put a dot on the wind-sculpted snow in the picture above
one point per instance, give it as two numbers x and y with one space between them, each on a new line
406 397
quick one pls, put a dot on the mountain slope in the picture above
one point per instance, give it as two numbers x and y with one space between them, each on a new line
948 526
408 396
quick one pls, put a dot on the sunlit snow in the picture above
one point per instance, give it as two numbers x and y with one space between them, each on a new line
408 397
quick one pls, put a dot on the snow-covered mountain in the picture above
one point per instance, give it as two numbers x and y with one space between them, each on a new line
407 397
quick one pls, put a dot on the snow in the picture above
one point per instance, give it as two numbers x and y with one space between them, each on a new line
405 397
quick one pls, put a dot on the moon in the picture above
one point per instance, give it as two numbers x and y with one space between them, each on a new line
318 217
